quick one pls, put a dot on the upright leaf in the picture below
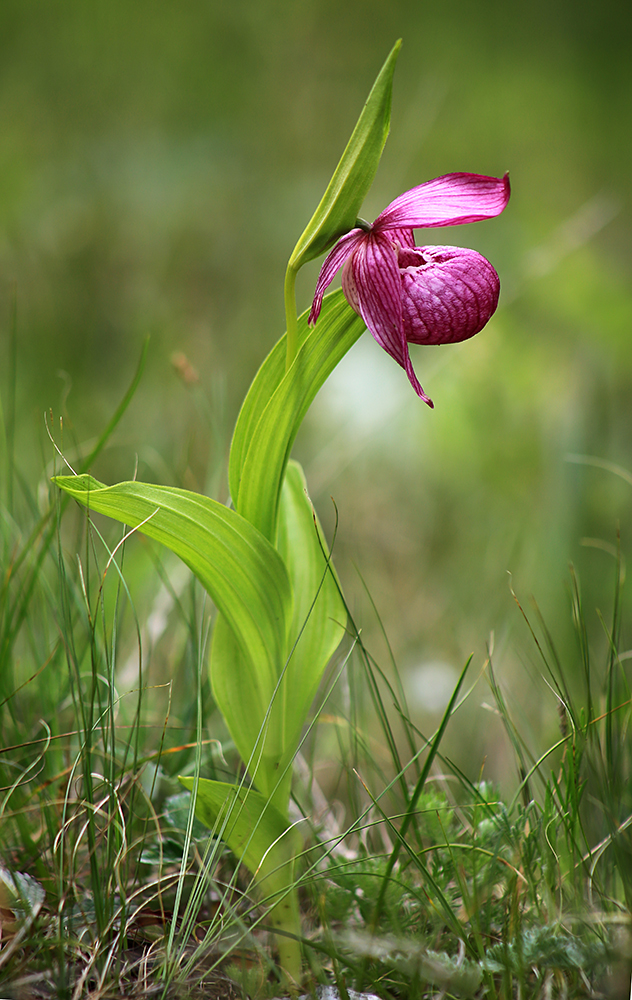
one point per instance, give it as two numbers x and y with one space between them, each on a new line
320 616
253 713
262 388
267 732
275 406
352 178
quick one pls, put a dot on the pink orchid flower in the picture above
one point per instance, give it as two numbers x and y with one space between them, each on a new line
419 295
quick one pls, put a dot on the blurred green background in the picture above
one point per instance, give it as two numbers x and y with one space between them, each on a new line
157 163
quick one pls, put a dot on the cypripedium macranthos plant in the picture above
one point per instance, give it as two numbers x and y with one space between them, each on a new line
264 560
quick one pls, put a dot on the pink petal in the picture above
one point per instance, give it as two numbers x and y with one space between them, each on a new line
405 237
414 381
372 285
450 200
448 294
332 263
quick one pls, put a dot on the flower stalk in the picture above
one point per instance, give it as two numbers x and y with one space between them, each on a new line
291 319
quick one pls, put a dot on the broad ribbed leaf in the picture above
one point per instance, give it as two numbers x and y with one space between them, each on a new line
244 819
244 575
275 406
319 612
347 189
263 387
253 713
259 836
267 730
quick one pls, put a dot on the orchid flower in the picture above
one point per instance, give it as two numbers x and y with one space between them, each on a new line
419 295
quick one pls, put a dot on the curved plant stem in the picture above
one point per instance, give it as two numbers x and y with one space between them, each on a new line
285 917
290 316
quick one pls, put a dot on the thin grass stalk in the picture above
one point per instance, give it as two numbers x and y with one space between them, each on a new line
451 919
514 738
379 706
376 698
399 697
10 424
557 675
611 750
399 835
584 647
117 769
169 965
16 613
414 798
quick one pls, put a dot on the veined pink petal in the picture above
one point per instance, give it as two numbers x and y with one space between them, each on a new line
450 200
414 381
398 239
405 237
372 285
447 293
332 263
376 291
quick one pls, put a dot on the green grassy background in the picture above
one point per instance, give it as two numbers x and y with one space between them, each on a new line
157 163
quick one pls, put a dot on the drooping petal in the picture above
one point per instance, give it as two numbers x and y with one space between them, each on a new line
450 200
372 285
447 293
414 381
376 291
332 263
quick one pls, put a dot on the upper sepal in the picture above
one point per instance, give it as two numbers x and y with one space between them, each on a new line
352 178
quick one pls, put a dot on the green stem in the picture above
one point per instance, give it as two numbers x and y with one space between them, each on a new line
285 917
291 320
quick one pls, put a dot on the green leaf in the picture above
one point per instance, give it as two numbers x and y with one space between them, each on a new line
319 612
257 834
341 203
243 573
268 735
23 896
260 837
253 715
275 406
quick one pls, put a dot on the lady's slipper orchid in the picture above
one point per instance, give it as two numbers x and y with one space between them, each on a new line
419 295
